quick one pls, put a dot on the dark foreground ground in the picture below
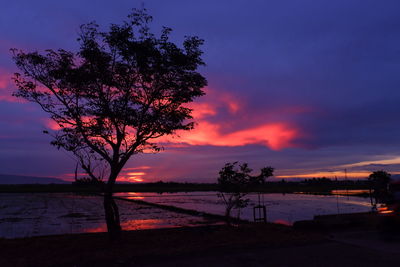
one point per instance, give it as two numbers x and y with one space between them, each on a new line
249 245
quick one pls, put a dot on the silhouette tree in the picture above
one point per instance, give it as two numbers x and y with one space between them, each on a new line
234 183
116 95
379 183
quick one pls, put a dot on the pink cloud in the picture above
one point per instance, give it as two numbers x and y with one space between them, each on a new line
137 168
223 120
202 110
230 100
213 102
134 174
7 87
276 136
50 124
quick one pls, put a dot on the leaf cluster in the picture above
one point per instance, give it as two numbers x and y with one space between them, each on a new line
380 178
234 177
123 89
235 181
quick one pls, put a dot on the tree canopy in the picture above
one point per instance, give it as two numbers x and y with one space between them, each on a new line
379 182
124 88
234 183
233 178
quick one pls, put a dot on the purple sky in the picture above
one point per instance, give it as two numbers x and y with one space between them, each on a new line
308 87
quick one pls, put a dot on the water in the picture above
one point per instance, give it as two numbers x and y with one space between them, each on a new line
350 192
24 215
281 208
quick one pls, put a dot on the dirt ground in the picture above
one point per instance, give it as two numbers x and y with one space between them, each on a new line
249 245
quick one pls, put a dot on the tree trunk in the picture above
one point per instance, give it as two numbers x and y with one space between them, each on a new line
228 214
112 216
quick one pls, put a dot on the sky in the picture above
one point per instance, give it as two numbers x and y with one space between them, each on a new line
308 87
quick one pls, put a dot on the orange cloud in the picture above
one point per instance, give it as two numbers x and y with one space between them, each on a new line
71 176
129 179
137 176
137 168
135 179
273 135
136 173
331 175
201 110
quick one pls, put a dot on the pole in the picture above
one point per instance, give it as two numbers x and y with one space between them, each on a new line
347 189
337 196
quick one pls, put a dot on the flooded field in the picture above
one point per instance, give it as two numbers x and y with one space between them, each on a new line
24 215
281 208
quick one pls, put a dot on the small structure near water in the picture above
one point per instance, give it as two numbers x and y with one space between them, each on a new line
260 211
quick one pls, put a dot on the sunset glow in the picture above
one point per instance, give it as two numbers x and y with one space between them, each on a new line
136 173
52 125
288 96
201 110
134 195
140 224
137 168
275 136
388 161
331 175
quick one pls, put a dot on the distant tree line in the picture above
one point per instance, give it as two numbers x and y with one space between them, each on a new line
327 181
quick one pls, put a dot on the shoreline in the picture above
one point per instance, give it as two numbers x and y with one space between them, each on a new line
271 187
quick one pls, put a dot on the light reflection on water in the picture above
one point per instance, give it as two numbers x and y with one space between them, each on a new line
133 225
24 215
350 192
282 208
135 195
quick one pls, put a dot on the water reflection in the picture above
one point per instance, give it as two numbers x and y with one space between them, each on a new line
25 215
384 209
134 195
134 225
282 222
350 192
286 208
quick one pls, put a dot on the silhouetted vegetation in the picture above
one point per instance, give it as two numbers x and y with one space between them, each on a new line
160 187
88 181
379 184
123 89
235 182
